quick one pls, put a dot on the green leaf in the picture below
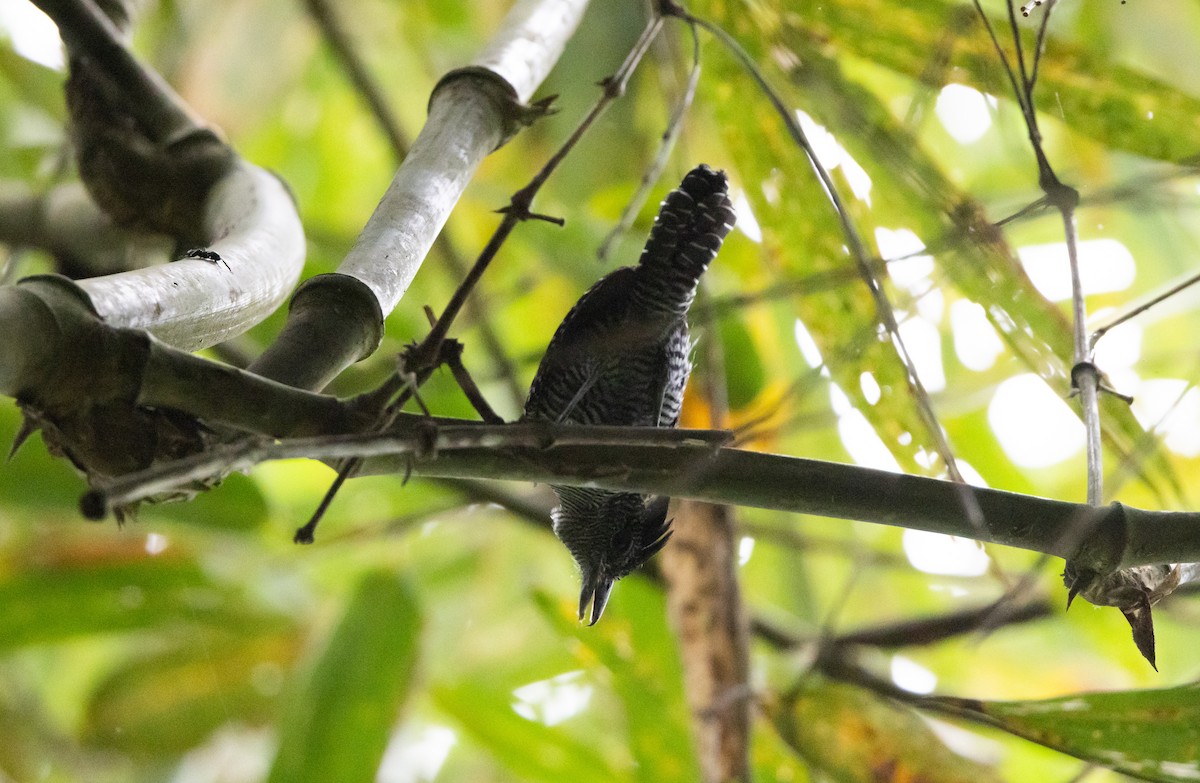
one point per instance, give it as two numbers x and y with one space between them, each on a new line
1149 734
635 643
916 192
855 736
910 190
805 243
744 373
56 590
338 727
169 702
1078 83
530 750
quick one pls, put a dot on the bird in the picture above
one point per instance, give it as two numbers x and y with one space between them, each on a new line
622 356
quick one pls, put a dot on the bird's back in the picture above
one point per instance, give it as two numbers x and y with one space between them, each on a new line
621 355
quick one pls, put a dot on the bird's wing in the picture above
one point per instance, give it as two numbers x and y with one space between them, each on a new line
604 305
674 368
588 381
576 357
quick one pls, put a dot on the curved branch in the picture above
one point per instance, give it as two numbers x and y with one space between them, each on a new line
66 222
89 33
375 98
197 302
245 215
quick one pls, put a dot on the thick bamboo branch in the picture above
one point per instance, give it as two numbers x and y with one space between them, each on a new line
249 223
60 356
466 122
472 111
193 303
215 392
375 98
27 321
690 464
89 33
529 43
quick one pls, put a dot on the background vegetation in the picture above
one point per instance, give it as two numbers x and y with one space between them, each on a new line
430 633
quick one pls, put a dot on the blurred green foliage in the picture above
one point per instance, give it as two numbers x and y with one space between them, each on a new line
429 634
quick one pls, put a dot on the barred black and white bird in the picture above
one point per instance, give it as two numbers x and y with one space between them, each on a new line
622 357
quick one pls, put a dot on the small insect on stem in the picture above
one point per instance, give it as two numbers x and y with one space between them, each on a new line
207 255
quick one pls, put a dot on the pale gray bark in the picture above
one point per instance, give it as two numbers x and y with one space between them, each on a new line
193 303
465 124
65 221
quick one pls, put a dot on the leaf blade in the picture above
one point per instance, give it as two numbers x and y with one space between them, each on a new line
338 727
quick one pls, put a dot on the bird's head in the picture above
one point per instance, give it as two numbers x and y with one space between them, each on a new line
609 536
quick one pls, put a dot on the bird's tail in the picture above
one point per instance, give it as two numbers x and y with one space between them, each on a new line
691 225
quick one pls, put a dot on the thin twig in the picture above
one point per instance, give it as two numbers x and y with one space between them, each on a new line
656 167
407 385
1021 69
1041 43
1018 93
1032 208
1065 199
347 54
1186 283
468 385
410 435
858 253
1084 375
1136 186
923 631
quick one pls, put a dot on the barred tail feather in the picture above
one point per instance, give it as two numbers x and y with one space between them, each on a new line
691 225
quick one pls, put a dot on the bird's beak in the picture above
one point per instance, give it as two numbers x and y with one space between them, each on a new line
596 590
